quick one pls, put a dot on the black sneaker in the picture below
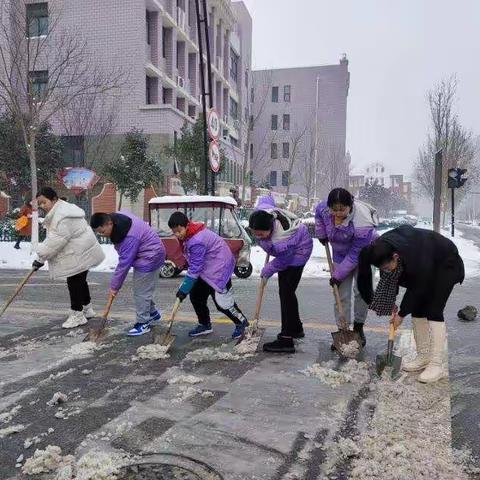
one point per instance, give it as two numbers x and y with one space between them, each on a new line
280 345
296 336
358 327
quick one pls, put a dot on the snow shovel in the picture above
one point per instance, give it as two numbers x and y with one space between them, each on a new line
389 360
17 291
96 332
344 335
167 339
253 328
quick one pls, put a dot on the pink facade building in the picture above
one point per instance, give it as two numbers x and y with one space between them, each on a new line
156 43
299 130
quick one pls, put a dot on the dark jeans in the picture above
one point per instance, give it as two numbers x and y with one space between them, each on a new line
288 281
79 292
224 302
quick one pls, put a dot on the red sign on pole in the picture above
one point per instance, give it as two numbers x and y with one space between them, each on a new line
213 124
214 156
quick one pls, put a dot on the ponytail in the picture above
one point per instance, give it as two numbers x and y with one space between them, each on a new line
365 277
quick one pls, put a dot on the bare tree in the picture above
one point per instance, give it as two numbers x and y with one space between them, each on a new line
256 107
333 166
296 140
93 118
42 71
307 166
448 134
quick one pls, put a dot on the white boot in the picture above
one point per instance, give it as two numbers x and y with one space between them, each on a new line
88 311
421 332
75 319
435 370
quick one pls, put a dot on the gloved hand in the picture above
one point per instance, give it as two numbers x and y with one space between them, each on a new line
37 265
323 241
181 295
334 281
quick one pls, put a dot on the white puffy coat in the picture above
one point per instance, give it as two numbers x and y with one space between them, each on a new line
71 246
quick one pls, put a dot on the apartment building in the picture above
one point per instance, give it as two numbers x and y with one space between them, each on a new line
299 129
156 43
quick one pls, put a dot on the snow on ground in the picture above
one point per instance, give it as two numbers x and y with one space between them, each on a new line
315 268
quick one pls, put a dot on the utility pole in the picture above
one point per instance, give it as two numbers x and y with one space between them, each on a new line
437 192
202 21
315 191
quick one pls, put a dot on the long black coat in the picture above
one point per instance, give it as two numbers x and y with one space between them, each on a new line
431 267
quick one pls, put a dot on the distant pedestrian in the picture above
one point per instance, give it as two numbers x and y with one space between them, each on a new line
428 265
23 226
210 268
348 225
138 247
283 236
71 249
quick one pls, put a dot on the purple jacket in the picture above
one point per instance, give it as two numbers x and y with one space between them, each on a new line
137 245
347 240
291 246
209 258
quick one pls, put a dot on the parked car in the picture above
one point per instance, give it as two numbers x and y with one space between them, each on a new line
217 213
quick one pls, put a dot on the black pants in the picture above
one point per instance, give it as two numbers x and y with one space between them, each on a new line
79 292
199 298
288 281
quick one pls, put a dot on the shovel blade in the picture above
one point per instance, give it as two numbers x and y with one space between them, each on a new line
343 337
394 363
97 331
166 340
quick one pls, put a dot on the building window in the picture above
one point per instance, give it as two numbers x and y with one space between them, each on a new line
274 94
287 93
285 177
274 122
38 83
286 150
273 178
251 151
252 95
37 19
148 90
233 141
148 26
233 109
286 121
164 42
251 122
246 78
273 151
234 65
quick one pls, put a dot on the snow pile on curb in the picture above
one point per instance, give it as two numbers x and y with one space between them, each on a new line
5 432
46 461
82 348
6 417
409 436
350 372
191 379
93 465
57 398
350 350
209 354
151 352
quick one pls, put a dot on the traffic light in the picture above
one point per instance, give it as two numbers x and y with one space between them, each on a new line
456 178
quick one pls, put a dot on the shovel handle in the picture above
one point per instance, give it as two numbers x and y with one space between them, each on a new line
175 308
111 298
261 290
17 291
336 292
392 332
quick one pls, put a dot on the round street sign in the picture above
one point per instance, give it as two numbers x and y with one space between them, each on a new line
213 124
214 156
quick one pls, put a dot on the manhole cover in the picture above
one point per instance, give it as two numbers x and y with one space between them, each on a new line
165 466
152 471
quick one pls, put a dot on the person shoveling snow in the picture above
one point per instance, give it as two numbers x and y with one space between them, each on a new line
138 246
428 265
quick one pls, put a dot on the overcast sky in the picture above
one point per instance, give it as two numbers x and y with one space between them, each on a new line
397 51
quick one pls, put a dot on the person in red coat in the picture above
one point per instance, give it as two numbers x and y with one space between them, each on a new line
26 231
